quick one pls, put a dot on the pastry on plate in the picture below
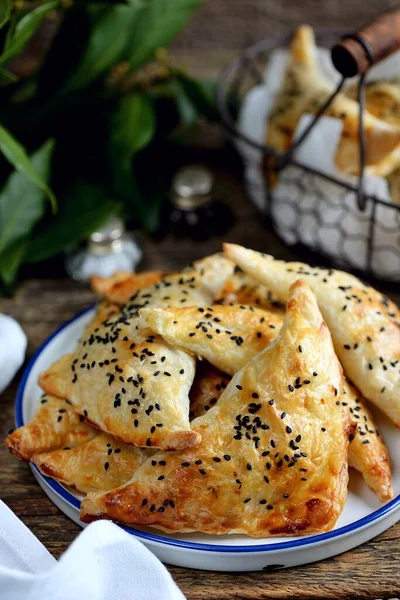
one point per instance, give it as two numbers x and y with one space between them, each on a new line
123 284
304 90
100 464
367 452
273 455
133 385
365 325
56 380
55 424
226 336
242 289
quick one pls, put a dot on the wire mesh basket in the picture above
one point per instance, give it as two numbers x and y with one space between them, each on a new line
310 208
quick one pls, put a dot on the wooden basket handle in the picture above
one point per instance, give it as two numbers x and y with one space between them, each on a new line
355 53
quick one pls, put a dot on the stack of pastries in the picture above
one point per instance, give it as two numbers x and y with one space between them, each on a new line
227 398
304 90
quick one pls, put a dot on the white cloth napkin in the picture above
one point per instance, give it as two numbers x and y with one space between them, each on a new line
12 349
103 563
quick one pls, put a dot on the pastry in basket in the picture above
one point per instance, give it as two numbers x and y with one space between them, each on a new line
100 464
122 285
367 453
55 425
226 336
242 289
382 99
136 388
304 90
365 325
273 456
208 385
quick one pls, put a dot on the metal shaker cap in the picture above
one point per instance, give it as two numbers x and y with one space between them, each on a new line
192 187
108 238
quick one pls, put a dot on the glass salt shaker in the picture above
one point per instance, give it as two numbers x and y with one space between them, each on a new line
108 250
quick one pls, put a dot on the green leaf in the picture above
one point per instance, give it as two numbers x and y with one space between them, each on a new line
25 29
201 95
110 32
5 12
132 128
16 155
22 202
6 77
82 209
10 261
157 24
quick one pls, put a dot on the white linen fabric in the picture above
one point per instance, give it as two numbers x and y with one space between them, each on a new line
103 563
13 344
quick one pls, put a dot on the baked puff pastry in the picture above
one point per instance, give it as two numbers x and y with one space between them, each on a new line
56 380
121 286
242 289
226 336
273 456
365 325
367 450
304 90
100 464
54 425
367 453
136 387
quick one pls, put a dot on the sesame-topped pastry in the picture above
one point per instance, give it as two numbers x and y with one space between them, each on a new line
100 464
304 90
273 456
56 380
365 325
242 289
121 286
226 336
135 386
55 424
367 453
208 385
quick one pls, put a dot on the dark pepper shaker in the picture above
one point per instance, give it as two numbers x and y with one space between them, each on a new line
193 211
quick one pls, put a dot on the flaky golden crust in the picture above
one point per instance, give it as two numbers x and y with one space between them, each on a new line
273 456
239 288
121 286
56 380
226 336
54 425
367 452
100 464
304 90
208 385
133 385
365 325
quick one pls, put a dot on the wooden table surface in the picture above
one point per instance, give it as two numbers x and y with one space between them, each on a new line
40 305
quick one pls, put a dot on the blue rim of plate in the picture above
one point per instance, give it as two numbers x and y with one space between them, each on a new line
150 537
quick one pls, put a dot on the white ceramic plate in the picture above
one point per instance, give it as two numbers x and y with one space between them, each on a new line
363 517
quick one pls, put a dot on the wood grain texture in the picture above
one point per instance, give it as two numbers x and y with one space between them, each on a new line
235 24
371 571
